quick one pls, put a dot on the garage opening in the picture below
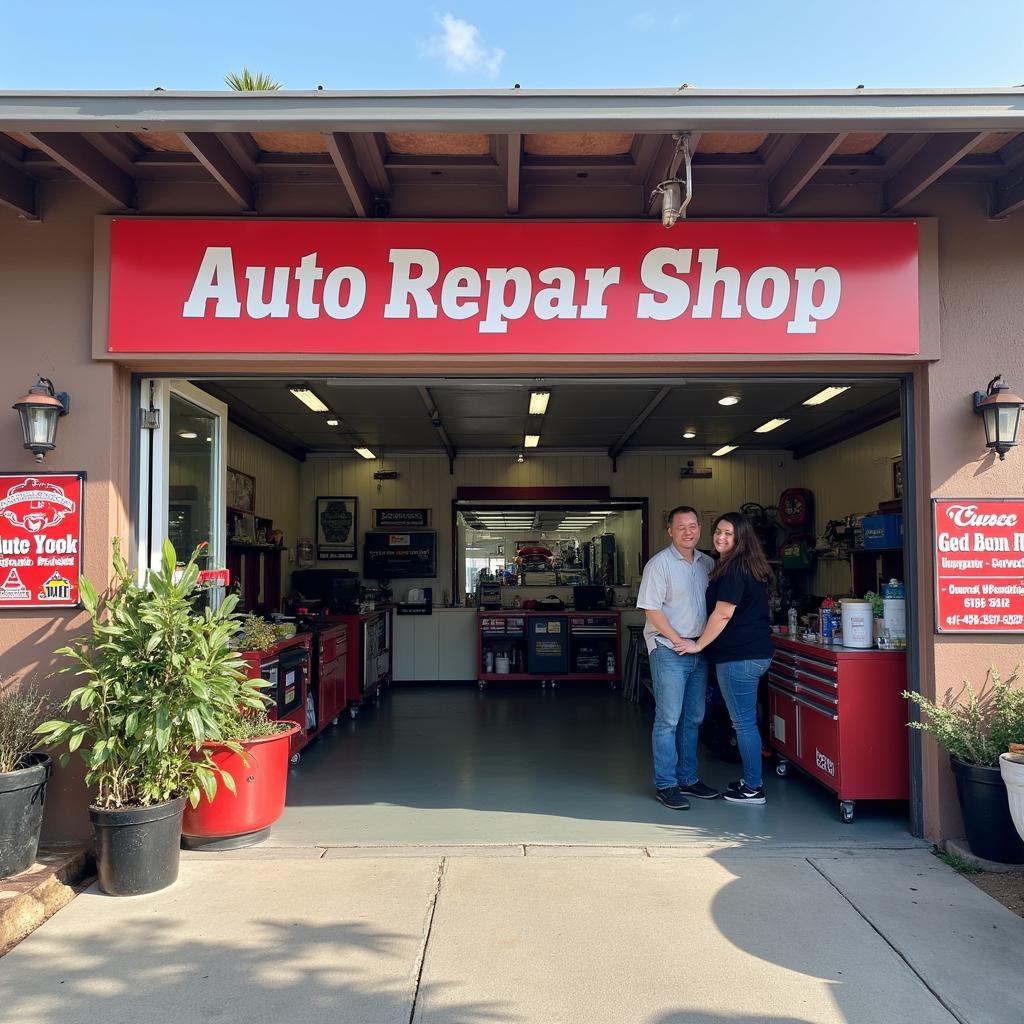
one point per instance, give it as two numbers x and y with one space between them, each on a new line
422 531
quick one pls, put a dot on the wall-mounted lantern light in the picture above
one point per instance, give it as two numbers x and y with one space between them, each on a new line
1000 409
39 411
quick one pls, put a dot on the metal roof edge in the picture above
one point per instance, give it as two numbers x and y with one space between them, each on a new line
519 110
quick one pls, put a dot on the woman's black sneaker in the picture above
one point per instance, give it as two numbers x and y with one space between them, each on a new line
699 790
673 799
741 793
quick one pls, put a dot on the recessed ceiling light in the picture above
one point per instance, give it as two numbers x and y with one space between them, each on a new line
365 453
309 400
729 400
332 423
531 440
770 425
725 449
689 434
209 440
824 396
539 402
189 435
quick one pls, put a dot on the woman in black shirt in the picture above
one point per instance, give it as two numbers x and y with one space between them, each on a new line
738 640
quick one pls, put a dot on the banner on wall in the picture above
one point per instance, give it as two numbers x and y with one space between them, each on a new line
394 287
40 539
979 565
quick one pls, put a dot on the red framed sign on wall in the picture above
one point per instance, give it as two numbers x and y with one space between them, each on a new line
40 539
979 565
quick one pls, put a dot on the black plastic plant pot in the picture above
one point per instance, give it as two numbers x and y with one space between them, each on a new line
21 813
137 848
986 812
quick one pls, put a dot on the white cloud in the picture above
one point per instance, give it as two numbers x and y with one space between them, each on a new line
462 49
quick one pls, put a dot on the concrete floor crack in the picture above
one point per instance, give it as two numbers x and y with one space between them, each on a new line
428 926
920 977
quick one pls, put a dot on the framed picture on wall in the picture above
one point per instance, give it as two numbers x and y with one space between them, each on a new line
241 491
897 478
336 528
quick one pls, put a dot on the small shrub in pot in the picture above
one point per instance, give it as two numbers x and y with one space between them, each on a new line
23 775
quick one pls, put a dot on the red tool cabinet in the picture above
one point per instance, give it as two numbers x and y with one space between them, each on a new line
837 713
284 670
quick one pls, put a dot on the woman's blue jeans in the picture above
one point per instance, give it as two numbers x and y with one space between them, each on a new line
738 682
680 690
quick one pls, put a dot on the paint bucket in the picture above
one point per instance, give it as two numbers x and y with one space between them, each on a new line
501 664
857 624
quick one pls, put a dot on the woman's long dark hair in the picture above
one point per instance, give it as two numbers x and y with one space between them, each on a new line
746 555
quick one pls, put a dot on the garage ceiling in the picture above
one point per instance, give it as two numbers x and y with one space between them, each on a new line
478 417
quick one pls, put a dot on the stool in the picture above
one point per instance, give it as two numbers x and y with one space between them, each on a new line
637 670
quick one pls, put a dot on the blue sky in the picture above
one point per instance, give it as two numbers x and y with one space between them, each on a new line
392 44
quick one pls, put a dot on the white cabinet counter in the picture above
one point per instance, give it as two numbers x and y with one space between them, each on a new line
440 647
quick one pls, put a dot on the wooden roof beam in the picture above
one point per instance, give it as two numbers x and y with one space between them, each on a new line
371 151
804 162
1007 195
339 146
930 162
89 165
18 192
208 149
509 152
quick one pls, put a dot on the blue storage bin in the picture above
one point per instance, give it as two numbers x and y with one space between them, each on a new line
883 531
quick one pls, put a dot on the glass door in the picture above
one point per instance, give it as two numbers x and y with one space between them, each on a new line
183 466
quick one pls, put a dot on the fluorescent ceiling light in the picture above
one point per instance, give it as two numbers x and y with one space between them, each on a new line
725 449
539 402
729 400
824 396
365 452
603 512
309 400
189 435
332 423
770 425
689 435
531 440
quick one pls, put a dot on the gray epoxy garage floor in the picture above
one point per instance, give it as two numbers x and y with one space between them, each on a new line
512 764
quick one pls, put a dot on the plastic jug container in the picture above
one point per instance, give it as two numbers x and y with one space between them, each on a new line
857 624
502 664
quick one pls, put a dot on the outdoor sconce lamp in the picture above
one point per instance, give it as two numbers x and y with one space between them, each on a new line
1000 409
40 410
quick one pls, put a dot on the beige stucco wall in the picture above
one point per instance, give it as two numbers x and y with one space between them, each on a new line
45 301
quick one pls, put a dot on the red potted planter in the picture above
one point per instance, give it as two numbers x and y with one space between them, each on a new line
235 820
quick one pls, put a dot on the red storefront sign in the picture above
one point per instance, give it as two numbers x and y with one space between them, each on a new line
979 565
40 540
392 287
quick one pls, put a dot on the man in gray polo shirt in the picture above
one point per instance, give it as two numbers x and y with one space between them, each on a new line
672 597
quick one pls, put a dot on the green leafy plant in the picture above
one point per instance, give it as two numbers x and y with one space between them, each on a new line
257 634
976 729
22 709
247 81
159 680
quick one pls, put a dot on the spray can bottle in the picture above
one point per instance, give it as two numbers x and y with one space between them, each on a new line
826 619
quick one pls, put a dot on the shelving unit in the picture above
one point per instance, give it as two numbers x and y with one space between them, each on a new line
870 567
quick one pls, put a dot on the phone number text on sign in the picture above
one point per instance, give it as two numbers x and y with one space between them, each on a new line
979 565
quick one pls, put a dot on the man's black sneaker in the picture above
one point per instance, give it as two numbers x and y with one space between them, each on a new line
673 799
699 790
741 793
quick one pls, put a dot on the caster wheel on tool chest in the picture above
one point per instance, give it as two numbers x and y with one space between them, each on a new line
334 721
846 811
482 683
352 712
294 759
782 769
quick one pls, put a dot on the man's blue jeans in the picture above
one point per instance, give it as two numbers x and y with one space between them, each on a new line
680 689
738 682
